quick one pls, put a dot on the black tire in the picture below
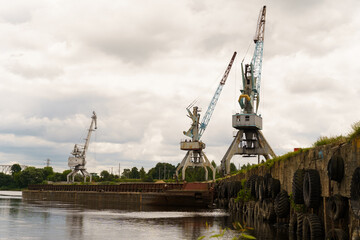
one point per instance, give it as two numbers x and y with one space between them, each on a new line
257 210
258 184
282 204
297 186
250 184
299 231
237 187
336 234
261 191
312 228
336 207
267 177
224 190
336 168
355 193
312 188
273 187
245 208
293 226
268 210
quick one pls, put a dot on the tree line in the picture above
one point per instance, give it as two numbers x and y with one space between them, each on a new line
21 178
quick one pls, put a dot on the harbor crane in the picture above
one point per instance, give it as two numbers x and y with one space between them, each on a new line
77 161
249 140
195 156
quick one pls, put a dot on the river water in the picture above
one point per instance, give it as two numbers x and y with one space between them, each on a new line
20 219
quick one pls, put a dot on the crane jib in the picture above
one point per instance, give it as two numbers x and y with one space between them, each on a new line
211 107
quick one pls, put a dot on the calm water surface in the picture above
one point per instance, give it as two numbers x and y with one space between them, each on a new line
21 219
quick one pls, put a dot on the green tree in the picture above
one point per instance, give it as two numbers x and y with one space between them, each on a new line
15 168
162 171
134 173
64 175
126 173
30 175
47 171
105 176
55 177
232 168
6 181
142 173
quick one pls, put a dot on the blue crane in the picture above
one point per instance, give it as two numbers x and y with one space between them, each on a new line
252 75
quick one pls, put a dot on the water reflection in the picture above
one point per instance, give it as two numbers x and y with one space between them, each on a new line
75 224
262 229
21 219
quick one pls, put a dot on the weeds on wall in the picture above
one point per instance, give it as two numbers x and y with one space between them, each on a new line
356 131
296 207
244 195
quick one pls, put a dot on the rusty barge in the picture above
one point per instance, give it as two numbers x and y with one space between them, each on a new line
198 195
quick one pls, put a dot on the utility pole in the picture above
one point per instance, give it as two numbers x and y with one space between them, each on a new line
119 170
48 162
164 171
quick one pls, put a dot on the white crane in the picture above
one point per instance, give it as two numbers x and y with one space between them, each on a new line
77 161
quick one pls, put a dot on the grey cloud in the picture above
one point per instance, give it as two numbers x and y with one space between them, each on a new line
28 71
310 84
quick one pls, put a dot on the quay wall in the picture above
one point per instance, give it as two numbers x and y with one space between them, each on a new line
283 169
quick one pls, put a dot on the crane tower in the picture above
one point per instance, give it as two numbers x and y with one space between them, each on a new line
77 161
249 140
195 156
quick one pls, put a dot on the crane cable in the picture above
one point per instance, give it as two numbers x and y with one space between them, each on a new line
208 89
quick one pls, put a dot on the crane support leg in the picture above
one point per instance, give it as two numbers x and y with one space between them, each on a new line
195 159
248 142
73 173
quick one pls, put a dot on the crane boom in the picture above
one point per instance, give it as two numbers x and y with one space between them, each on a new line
87 140
211 107
258 53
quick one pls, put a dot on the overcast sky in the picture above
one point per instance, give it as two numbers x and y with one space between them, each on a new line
139 64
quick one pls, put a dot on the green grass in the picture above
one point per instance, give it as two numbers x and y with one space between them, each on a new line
356 131
329 140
